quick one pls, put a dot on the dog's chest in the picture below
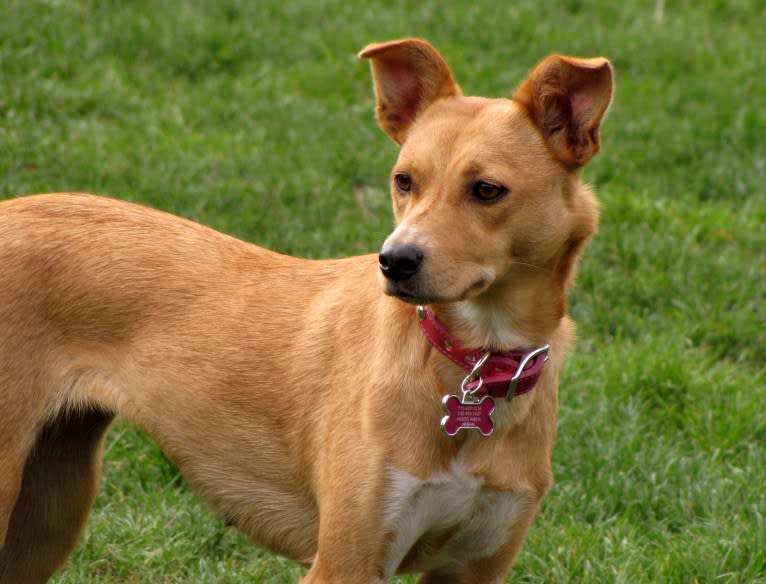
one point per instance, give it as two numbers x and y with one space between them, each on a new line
447 520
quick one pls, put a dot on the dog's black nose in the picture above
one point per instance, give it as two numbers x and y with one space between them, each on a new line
400 263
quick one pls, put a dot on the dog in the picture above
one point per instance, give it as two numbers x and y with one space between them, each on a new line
369 416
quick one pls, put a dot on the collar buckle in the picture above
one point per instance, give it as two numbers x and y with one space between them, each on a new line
525 360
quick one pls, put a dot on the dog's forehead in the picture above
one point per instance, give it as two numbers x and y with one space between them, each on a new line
456 129
467 117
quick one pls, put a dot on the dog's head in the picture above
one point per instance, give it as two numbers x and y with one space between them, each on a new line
484 186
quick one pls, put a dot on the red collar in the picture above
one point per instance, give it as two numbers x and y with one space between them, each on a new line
504 375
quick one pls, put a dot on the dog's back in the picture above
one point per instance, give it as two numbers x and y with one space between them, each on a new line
109 307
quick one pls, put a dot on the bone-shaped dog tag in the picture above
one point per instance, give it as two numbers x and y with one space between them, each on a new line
467 414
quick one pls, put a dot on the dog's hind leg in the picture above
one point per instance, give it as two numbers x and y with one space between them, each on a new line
58 486
12 456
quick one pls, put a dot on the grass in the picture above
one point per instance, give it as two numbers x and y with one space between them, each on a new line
256 119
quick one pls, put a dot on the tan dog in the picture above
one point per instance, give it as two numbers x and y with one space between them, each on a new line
302 399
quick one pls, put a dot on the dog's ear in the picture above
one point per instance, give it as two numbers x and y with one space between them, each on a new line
567 98
408 76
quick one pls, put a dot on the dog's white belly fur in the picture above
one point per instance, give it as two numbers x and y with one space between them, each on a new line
418 507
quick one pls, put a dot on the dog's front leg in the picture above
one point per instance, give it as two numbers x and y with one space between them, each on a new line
341 560
352 543
492 569
339 571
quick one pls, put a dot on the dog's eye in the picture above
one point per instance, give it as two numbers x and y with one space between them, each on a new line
403 183
485 191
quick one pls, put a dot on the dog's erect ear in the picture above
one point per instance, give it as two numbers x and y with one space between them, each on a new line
408 75
567 99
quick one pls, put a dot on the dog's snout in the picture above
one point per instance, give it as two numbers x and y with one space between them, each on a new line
400 263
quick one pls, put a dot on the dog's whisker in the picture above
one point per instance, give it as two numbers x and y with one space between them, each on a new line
533 266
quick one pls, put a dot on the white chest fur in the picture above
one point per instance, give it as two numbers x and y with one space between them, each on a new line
418 507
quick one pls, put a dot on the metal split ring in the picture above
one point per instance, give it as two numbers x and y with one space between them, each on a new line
475 376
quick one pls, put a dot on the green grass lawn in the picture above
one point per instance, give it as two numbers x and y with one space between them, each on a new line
257 119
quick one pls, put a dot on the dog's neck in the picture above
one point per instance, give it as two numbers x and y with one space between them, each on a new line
506 317
480 326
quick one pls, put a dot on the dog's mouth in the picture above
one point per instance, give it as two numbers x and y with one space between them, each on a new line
410 297
412 292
